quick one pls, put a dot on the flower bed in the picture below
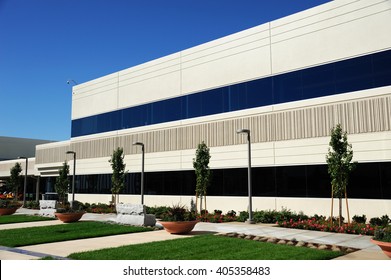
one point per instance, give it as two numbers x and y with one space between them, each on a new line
217 217
325 225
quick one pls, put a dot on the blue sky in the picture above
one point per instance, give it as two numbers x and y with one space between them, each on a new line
44 43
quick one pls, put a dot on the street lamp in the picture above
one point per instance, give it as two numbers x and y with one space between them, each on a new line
142 169
25 181
73 176
250 214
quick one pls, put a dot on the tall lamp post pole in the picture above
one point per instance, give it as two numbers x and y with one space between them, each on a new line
142 169
25 181
250 210
73 175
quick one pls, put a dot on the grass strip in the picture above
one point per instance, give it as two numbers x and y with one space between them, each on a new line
64 232
10 219
206 247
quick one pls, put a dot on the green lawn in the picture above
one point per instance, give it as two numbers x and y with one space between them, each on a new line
206 247
9 219
56 233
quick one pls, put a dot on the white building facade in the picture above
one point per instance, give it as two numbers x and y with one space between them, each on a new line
289 81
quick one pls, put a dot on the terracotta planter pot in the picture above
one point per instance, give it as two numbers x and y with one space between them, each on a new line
7 211
385 246
179 227
69 217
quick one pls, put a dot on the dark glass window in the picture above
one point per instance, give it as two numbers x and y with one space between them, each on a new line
381 69
339 77
213 102
353 74
291 181
193 105
385 179
318 181
318 81
365 181
287 87
259 93
237 97
136 116
166 110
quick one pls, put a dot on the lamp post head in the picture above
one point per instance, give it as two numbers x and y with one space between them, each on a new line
243 131
138 144
73 153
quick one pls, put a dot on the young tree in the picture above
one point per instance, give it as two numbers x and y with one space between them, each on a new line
203 173
62 183
340 165
119 173
14 179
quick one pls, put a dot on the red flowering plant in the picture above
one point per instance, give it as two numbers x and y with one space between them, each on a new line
217 217
323 224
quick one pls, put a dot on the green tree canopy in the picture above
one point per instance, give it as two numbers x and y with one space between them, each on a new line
339 161
118 178
340 165
202 171
14 179
62 182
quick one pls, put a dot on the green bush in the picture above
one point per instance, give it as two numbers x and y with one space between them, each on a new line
32 204
359 219
383 221
158 211
383 234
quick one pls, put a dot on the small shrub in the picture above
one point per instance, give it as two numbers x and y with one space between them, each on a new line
158 211
231 213
359 219
32 204
383 234
383 221
243 216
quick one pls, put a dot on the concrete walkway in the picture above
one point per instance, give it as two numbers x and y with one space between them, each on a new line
368 251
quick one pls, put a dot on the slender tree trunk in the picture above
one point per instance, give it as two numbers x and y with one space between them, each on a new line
347 206
205 203
340 211
200 204
196 203
332 206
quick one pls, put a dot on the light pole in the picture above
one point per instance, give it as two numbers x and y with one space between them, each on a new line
73 176
250 214
25 180
142 169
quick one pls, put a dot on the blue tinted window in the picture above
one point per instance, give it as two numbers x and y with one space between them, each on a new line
136 116
381 69
287 87
259 93
166 110
212 102
193 105
237 97
339 77
318 81
353 74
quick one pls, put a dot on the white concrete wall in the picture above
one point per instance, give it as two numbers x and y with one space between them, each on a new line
334 31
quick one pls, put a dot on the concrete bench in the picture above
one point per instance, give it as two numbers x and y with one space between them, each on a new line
47 208
134 214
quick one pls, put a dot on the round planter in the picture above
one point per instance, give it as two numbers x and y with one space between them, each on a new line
7 211
179 227
69 217
385 246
